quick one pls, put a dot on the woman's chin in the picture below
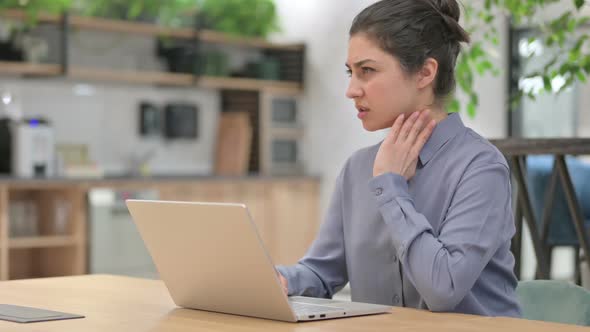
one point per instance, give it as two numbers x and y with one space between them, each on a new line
371 126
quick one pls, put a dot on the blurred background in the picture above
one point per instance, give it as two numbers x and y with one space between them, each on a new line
243 101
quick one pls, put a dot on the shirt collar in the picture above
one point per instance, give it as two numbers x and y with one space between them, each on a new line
443 132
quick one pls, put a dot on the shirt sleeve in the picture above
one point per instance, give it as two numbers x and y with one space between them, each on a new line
444 268
322 271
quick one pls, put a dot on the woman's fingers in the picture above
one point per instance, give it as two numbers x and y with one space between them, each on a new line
418 126
397 125
407 126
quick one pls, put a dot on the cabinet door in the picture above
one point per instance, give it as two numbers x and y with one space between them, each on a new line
286 213
295 218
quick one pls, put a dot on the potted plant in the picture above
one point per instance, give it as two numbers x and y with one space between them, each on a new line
572 63
252 18
172 13
15 45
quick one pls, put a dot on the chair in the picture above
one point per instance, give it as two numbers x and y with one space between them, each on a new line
554 301
561 227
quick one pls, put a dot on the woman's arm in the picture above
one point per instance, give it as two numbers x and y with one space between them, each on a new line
322 271
444 268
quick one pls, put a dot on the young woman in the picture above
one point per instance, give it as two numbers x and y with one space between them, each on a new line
424 218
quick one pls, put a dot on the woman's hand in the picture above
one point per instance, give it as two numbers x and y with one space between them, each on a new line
400 150
284 283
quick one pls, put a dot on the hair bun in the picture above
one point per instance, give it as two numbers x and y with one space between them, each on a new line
449 8
451 13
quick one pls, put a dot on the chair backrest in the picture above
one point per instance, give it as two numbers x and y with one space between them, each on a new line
554 301
561 231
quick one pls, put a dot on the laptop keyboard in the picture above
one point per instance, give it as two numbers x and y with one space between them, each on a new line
306 308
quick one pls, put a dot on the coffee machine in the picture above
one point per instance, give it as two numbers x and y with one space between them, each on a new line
27 148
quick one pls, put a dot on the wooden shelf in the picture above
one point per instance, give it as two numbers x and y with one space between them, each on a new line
248 84
164 78
224 38
148 77
127 76
41 242
18 14
25 68
148 29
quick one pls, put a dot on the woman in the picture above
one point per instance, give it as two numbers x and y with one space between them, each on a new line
423 219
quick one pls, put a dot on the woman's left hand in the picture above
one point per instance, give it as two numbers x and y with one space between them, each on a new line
400 150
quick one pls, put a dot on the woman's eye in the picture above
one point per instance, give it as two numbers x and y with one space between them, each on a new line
367 70
348 72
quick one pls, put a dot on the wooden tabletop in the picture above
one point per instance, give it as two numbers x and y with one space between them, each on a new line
112 303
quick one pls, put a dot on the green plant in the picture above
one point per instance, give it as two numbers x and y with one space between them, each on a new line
33 7
571 63
240 17
165 12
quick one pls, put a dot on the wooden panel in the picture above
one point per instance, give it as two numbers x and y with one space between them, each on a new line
54 262
23 264
42 242
175 79
133 77
286 213
531 146
295 219
46 219
249 84
27 68
4 222
78 228
234 135
21 15
246 101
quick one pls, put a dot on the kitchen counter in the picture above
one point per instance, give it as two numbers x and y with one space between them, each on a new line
284 208
142 181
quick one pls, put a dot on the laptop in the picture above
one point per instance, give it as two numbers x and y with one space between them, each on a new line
211 258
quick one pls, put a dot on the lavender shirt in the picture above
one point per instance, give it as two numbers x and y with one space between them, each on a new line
440 241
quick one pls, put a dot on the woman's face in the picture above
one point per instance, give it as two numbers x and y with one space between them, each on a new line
379 87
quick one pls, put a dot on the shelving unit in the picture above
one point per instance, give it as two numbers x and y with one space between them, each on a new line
102 24
41 242
29 69
285 210
57 248
151 77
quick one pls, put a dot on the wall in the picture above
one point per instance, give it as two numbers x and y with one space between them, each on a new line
105 115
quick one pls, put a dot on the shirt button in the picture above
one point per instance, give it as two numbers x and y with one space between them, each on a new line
394 258
379 191
396 299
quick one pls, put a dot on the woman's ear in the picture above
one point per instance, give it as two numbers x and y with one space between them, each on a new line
427 74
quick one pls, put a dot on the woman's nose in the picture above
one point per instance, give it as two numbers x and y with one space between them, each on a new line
353 91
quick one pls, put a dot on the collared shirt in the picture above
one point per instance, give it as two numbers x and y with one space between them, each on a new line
440 241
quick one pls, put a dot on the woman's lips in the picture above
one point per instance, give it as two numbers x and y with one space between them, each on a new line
362 112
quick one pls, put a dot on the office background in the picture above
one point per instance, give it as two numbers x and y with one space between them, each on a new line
103 116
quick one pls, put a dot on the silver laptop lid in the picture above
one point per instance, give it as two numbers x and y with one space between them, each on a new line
210 257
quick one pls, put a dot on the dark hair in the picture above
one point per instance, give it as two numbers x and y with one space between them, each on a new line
415 30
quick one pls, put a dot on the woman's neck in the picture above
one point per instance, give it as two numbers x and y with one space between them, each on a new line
438 115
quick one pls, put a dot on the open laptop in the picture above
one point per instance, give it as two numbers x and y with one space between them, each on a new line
211 257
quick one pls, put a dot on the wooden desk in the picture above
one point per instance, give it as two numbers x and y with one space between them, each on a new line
126 304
